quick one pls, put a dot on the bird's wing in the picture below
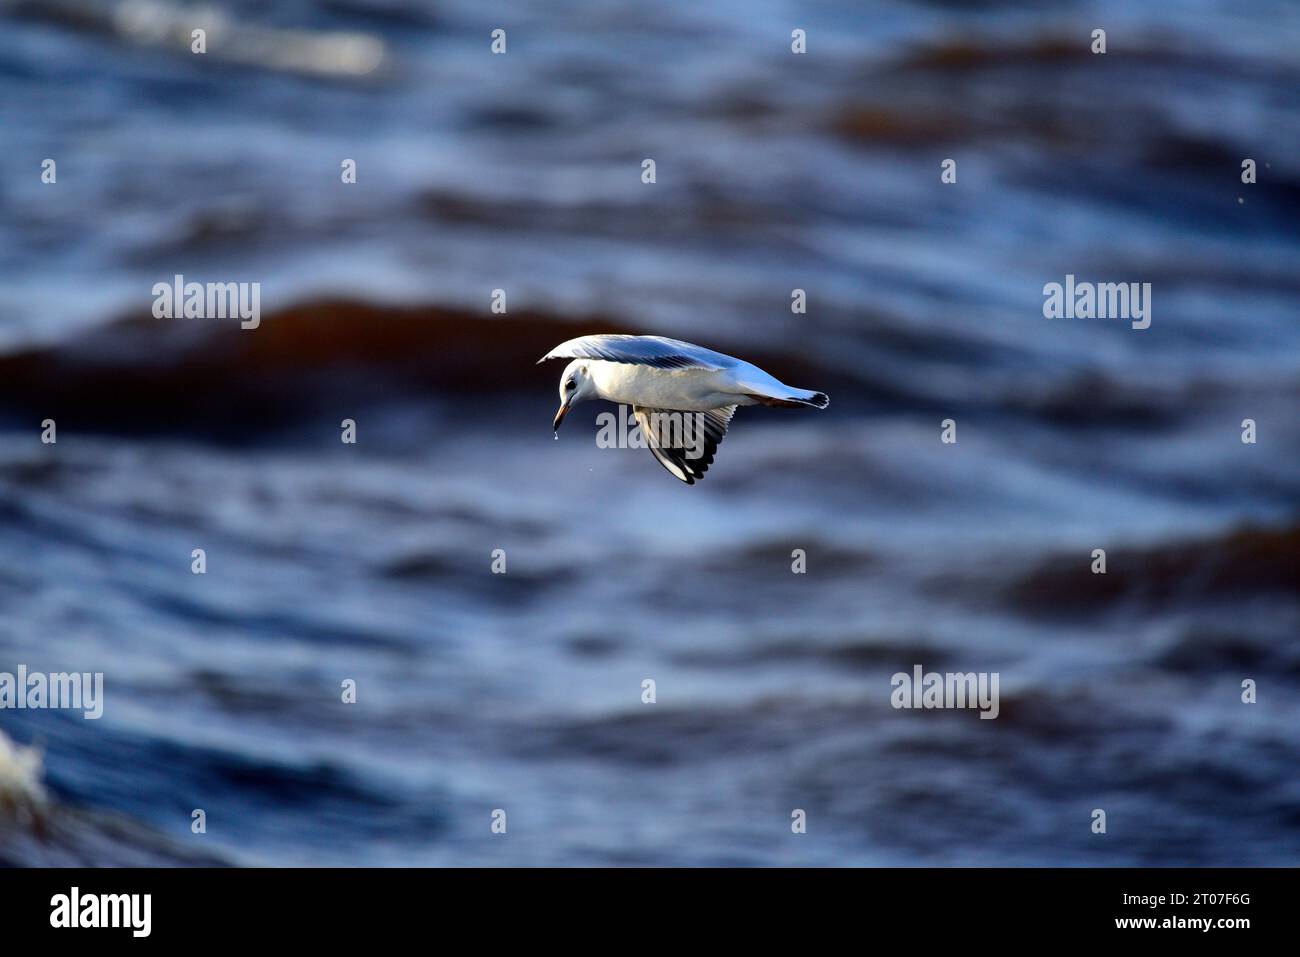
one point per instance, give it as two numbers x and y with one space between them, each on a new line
672 436
641 350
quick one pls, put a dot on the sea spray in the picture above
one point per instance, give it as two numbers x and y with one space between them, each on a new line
21 792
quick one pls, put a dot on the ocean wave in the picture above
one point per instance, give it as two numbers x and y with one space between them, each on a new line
1230 567
169 26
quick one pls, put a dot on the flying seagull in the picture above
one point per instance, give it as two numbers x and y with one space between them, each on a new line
658 377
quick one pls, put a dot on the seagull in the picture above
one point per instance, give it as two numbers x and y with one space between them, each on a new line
658 377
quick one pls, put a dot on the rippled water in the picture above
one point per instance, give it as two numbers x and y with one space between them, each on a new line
523 691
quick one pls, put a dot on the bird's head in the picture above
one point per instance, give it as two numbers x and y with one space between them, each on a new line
575 386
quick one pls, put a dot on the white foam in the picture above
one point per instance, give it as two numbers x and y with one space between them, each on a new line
20 777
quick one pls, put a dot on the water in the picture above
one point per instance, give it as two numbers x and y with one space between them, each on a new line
523 691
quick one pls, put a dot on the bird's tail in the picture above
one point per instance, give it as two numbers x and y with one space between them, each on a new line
794 398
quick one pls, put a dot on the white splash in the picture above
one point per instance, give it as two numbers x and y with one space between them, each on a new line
21 791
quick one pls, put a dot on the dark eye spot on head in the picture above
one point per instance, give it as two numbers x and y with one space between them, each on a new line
570 385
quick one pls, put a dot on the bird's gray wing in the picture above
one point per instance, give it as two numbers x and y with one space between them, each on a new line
641 350
674 437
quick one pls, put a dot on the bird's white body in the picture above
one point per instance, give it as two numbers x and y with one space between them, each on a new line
685 390
656 375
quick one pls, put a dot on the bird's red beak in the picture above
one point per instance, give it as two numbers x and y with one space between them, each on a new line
559 417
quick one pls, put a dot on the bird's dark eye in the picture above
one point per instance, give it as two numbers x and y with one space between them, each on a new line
570 385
